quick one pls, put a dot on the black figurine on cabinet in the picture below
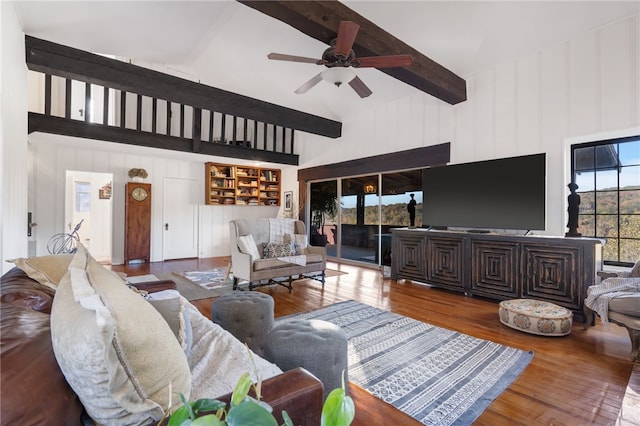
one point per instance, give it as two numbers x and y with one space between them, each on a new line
573 210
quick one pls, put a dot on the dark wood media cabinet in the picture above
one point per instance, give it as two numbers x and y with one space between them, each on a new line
499 266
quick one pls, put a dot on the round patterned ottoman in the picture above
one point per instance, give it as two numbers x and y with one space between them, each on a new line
248 315
317 346
536 317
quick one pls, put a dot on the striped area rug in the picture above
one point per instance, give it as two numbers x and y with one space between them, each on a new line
437 376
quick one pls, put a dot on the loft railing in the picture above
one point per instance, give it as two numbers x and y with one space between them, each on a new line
90 96
97 105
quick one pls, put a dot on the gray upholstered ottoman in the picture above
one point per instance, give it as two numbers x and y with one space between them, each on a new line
317 346
248 315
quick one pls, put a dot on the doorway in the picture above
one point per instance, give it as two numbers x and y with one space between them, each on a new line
180 218
88 199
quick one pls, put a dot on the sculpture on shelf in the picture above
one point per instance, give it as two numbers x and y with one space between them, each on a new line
572 210
138 174
411 208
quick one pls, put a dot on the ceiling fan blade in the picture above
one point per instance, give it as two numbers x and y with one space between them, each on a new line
346 37
309 84
361 89
292 58
383 61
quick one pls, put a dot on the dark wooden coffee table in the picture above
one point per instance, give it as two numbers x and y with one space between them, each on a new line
373 411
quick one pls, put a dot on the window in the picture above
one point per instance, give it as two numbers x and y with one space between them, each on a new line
608 177
83 197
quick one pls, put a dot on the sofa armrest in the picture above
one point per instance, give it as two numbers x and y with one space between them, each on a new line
606 274
318 250
155 286
296 391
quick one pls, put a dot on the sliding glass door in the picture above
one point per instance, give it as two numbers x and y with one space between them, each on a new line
359 227
359 218
323 208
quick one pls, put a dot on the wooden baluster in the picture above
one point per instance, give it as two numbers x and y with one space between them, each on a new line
67 99
105 106
234 138
123 108
139 112
87 102
197 130
255 134
222 127
47 94
182 120
211 115
168 118
154 115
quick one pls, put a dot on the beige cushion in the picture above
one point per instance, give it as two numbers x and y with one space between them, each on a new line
247 245
113 347
629 305
171 306
314 258
262 264
47 270
635 271
278 250
299 242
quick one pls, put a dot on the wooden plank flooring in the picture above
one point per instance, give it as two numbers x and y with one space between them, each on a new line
579 379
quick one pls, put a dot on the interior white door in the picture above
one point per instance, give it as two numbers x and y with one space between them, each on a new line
88 200
180 218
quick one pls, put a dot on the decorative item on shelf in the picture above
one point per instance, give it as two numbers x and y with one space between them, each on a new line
104 193
137 175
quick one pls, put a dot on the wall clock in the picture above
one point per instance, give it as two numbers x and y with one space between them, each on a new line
139 193
137 227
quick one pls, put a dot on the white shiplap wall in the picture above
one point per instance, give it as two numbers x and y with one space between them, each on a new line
588 85
53 154
13 136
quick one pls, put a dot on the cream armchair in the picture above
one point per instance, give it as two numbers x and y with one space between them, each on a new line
617 299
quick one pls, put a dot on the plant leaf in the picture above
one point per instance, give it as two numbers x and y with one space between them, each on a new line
250 413
179 416
206 404
208 420
241 390
287 419
338 409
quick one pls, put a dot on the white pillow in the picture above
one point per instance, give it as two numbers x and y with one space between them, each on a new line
247 245
115 350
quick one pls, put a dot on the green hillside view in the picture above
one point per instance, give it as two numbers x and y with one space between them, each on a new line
602 207
392 214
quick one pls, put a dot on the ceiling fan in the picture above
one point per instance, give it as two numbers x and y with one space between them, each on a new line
340 60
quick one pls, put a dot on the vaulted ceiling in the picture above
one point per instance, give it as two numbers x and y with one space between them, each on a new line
225 43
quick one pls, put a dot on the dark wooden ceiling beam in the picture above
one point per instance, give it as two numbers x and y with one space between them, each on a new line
320 20
76 128
426 156
51 58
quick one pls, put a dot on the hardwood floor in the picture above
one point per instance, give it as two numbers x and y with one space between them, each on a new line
578 379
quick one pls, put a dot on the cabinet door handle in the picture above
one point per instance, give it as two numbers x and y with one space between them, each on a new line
166 226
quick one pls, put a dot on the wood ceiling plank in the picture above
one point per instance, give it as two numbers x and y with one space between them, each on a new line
321 19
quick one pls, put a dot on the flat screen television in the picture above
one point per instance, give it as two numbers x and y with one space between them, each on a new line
506 193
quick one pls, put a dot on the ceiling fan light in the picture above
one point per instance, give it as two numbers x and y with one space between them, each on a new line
338 75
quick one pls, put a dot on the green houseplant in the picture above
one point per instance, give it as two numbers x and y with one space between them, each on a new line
338 409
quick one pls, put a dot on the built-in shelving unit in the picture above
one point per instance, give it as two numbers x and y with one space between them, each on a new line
228 184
